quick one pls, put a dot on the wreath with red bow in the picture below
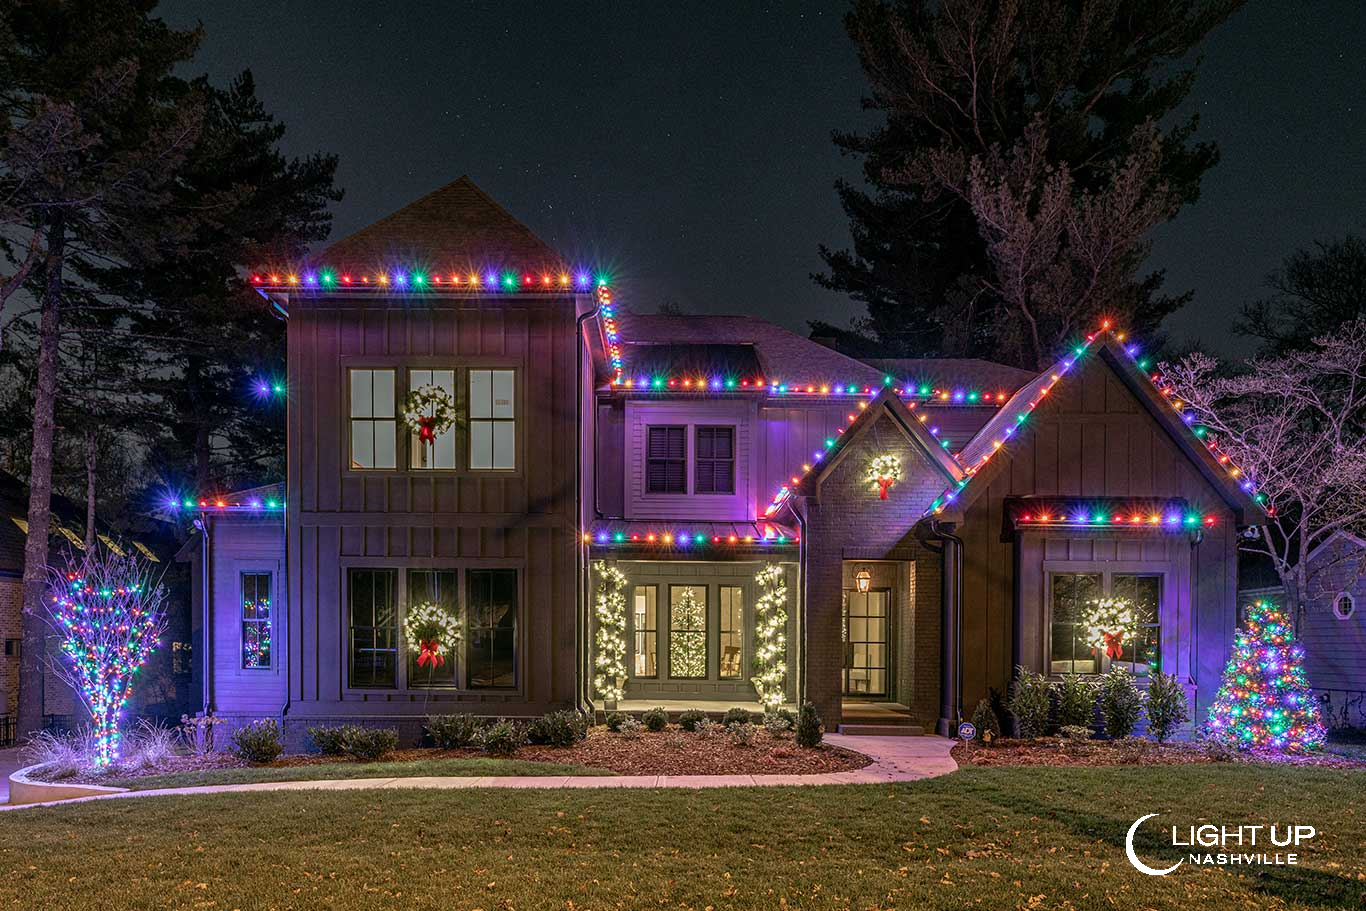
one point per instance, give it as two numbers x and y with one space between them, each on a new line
429 410
434 630
1108 621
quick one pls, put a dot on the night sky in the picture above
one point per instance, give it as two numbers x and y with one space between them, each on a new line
686 147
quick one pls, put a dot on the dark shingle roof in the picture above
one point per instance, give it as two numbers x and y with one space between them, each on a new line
454 226
969 373
694 360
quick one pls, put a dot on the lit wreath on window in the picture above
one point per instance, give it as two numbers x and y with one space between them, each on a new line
434 630
1108 621
884 472
429 410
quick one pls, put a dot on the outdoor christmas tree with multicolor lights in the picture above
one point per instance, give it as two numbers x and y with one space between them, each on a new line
1265 701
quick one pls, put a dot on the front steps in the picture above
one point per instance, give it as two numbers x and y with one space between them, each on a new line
882 730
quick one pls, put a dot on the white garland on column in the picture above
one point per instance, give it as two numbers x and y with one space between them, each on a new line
610 640
770 621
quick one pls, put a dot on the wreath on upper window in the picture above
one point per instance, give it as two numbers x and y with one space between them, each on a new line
429 410
1108 621
884 471
434 630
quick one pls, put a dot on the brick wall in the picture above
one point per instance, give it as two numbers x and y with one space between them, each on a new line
846 520
11 602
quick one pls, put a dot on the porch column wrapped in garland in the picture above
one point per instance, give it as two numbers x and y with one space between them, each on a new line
770 631
609 608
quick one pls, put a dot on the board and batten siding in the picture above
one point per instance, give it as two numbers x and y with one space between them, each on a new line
246 544
1093 438
341 518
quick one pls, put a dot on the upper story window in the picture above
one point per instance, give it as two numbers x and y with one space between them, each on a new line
666 460
714 453
374 428
439 453
1344 606
493 424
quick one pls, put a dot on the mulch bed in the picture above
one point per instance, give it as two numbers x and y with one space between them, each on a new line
670 752
1053 752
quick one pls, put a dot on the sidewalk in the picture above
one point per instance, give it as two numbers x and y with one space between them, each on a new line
894 759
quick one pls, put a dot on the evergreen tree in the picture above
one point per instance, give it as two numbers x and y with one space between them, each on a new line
1006 130
688 637
1265 701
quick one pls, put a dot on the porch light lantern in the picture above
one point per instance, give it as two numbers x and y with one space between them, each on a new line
863 581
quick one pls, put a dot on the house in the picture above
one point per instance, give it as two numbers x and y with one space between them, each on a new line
166 686
935 523
1332 623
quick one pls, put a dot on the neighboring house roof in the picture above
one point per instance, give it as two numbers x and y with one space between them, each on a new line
1340 534
784 356
1000 432
967 373
454 226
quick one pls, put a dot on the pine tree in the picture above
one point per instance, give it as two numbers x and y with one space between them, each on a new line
1265 701
688 637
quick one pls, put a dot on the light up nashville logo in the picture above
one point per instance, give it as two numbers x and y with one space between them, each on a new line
1253 845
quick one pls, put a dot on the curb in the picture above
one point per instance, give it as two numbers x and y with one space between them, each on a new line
24 790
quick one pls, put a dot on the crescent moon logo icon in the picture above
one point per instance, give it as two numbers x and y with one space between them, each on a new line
1133 858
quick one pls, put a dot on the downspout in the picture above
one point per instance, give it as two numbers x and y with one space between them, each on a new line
206 608
953 601
801 591
582 696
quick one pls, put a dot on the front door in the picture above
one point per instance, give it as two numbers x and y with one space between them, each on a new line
867 618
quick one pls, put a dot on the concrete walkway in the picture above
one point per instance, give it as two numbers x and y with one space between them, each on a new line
894 759
9 764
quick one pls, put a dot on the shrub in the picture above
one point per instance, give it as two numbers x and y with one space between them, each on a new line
708 728
984 720
150 744
502 738
614 720
368 744
558 729
1029 703
1075 733
742 733
737 715
689 719
1120 703
453 732
787 715
809 730
258 741
1076 701
328 740
655 720
196 733
778 728
630 727
1167 709
64 754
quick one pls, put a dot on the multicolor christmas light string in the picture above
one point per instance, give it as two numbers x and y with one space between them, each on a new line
109 614
414 280
1265 701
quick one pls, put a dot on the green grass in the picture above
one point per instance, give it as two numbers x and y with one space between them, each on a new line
475 767
992 838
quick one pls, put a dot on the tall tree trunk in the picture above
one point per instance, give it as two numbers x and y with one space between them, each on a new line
90 477
32 654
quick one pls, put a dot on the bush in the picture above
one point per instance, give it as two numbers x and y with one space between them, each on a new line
1075 733
196 733
501 738
809 730
453 732
1120 703
737 715
558 729
778 728
258 741
630 727
1076 701
781 716
149 745
368 744
984 720
708 728
1167 708
614 720
742 733
1029 703
328 740
689 719
64 754
655 720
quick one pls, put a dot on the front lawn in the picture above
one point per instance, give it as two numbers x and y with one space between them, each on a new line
464 767
994 838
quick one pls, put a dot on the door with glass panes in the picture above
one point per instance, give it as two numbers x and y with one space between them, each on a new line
867 643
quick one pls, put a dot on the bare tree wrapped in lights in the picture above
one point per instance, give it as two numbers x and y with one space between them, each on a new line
1295 425
110 612
609 657
770 652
